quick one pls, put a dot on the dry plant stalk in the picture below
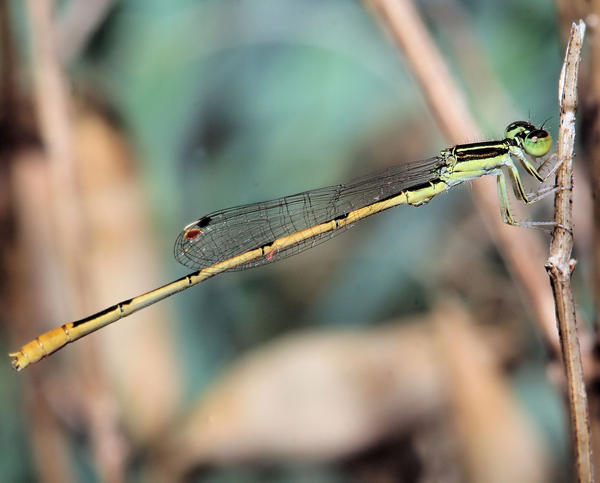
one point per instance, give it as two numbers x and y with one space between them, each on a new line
560 265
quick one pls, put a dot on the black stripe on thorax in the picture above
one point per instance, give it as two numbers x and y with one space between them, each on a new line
466 152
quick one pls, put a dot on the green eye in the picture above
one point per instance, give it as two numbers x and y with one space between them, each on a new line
517 128
537 143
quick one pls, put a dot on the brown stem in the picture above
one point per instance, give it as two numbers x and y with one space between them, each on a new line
560 265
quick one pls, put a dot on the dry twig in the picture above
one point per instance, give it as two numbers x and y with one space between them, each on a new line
560 265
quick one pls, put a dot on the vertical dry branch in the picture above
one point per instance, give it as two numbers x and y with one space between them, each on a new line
560 265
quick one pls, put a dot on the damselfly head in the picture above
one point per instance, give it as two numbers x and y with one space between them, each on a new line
536 142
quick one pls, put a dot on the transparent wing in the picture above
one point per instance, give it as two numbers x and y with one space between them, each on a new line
233 231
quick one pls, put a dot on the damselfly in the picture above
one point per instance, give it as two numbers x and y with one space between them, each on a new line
251 235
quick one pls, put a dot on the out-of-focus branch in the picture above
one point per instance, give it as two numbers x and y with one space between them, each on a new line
570 10
446 100
560 265
592 143
54 114
68 228
76 25
522 249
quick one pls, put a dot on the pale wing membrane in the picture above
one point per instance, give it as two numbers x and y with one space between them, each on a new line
233 231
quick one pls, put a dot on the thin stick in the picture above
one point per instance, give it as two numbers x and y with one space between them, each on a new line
560 265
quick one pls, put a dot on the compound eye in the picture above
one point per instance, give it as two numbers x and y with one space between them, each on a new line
517 128
537 143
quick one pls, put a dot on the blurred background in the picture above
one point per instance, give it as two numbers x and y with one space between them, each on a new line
401 350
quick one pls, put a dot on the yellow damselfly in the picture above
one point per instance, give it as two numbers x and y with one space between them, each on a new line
255 234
